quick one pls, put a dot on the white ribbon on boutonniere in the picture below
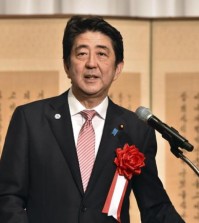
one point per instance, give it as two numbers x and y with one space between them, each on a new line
129 161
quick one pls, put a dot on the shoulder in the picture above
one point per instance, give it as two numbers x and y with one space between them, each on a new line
129 117
43 102
125 113
38 109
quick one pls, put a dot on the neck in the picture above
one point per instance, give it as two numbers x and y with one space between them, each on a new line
89 101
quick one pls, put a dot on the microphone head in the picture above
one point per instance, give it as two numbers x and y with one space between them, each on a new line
143 113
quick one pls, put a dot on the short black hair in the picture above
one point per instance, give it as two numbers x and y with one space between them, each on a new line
78 25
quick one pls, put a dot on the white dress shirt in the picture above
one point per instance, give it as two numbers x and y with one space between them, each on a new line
78 120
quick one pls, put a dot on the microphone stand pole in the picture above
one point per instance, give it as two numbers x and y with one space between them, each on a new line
179 154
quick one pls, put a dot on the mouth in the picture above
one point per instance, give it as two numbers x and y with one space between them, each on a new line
90 76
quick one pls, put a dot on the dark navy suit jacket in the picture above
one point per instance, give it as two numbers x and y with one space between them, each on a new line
40 179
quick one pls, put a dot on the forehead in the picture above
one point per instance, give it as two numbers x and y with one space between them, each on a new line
93 39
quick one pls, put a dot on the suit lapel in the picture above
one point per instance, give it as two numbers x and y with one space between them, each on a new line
109 142
59 119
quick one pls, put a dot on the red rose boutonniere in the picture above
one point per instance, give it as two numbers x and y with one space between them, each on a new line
129 161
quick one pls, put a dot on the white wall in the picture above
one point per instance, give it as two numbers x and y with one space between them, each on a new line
138 8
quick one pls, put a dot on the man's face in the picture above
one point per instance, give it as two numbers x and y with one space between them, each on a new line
92 65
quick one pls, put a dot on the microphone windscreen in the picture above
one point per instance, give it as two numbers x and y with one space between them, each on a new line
143 113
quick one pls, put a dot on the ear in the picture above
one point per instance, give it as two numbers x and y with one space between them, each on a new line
118 70
66 68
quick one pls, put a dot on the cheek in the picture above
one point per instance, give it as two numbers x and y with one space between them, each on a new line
77 68
74 71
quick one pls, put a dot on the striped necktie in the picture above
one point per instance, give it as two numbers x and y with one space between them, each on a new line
86 147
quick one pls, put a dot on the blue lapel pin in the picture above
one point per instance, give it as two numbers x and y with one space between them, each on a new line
115 131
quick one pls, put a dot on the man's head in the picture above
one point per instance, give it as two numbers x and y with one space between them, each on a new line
78 25
93 58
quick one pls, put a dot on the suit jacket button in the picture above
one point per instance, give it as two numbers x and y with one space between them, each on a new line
84 209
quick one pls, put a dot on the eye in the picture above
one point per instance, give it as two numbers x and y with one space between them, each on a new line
102 54
81 54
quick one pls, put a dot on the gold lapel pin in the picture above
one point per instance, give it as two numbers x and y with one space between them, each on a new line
121 127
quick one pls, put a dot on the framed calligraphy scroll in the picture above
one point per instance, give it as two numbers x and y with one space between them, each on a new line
21 87
175 86
182 110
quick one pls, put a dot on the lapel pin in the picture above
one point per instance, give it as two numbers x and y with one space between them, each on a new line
57 116
121 127
115 131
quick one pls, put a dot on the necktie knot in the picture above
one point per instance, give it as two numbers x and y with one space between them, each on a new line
88 114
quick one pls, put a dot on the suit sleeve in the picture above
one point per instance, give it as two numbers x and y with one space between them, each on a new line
153 201
14 171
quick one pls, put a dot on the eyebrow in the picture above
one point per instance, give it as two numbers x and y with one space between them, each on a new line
86 46
103 47
81 46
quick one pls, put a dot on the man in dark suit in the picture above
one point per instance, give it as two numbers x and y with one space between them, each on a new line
40 176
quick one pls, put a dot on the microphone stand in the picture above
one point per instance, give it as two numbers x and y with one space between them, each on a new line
178 153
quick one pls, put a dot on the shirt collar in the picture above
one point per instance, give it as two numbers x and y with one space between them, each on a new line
76 107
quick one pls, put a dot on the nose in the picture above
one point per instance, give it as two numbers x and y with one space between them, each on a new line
91 61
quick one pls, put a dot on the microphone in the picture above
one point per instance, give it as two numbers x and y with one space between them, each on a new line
167 132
